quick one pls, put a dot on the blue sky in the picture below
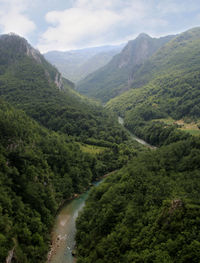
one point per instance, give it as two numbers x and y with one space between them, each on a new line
73 24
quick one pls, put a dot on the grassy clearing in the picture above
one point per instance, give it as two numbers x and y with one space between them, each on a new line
191 127
92 149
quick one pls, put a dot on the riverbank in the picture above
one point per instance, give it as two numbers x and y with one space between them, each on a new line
134 137
64 230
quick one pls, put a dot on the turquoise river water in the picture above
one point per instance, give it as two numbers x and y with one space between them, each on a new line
63 234
64 230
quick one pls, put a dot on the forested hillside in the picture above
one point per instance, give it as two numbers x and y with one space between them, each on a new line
147 212
167 85
39 169
53 144
118 74
30 83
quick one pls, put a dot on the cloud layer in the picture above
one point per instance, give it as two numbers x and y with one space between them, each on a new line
90 22
96 22
13 17
72 24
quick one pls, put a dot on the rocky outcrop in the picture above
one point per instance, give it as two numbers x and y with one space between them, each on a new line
58 81
20 48
35 54
118 75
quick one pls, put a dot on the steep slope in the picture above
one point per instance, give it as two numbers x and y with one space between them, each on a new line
39 169
30 83
14 48
77 64
119 73
166 85
147 212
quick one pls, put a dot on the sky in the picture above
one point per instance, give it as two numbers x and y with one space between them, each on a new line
74 24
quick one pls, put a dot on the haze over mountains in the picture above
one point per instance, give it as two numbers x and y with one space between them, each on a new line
166 85
144 213
54 142
77 64
116 77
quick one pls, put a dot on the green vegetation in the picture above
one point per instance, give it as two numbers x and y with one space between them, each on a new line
166 86
25 83
114 78
92 149
38 170
54 143
147 212
190 127
42 158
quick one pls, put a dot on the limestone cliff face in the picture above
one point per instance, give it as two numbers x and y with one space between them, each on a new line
20 48
36 55
58 81
117 76
136 51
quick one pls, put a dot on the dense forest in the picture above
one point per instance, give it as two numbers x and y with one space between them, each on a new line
39 169
29 84
55 142
166 86
147 212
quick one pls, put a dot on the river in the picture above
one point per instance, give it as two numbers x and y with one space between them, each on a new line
63 233
135 138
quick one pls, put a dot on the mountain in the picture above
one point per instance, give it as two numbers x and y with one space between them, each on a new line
39 170
116 77
14 48
30 83
149 210
77 64
53 144
166 86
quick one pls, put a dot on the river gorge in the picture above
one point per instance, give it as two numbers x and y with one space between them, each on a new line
64 230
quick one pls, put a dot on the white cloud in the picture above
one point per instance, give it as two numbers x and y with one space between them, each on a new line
13 17
90 22
97 22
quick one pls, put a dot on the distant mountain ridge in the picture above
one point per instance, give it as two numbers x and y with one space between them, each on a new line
166 86
77 64
114 78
